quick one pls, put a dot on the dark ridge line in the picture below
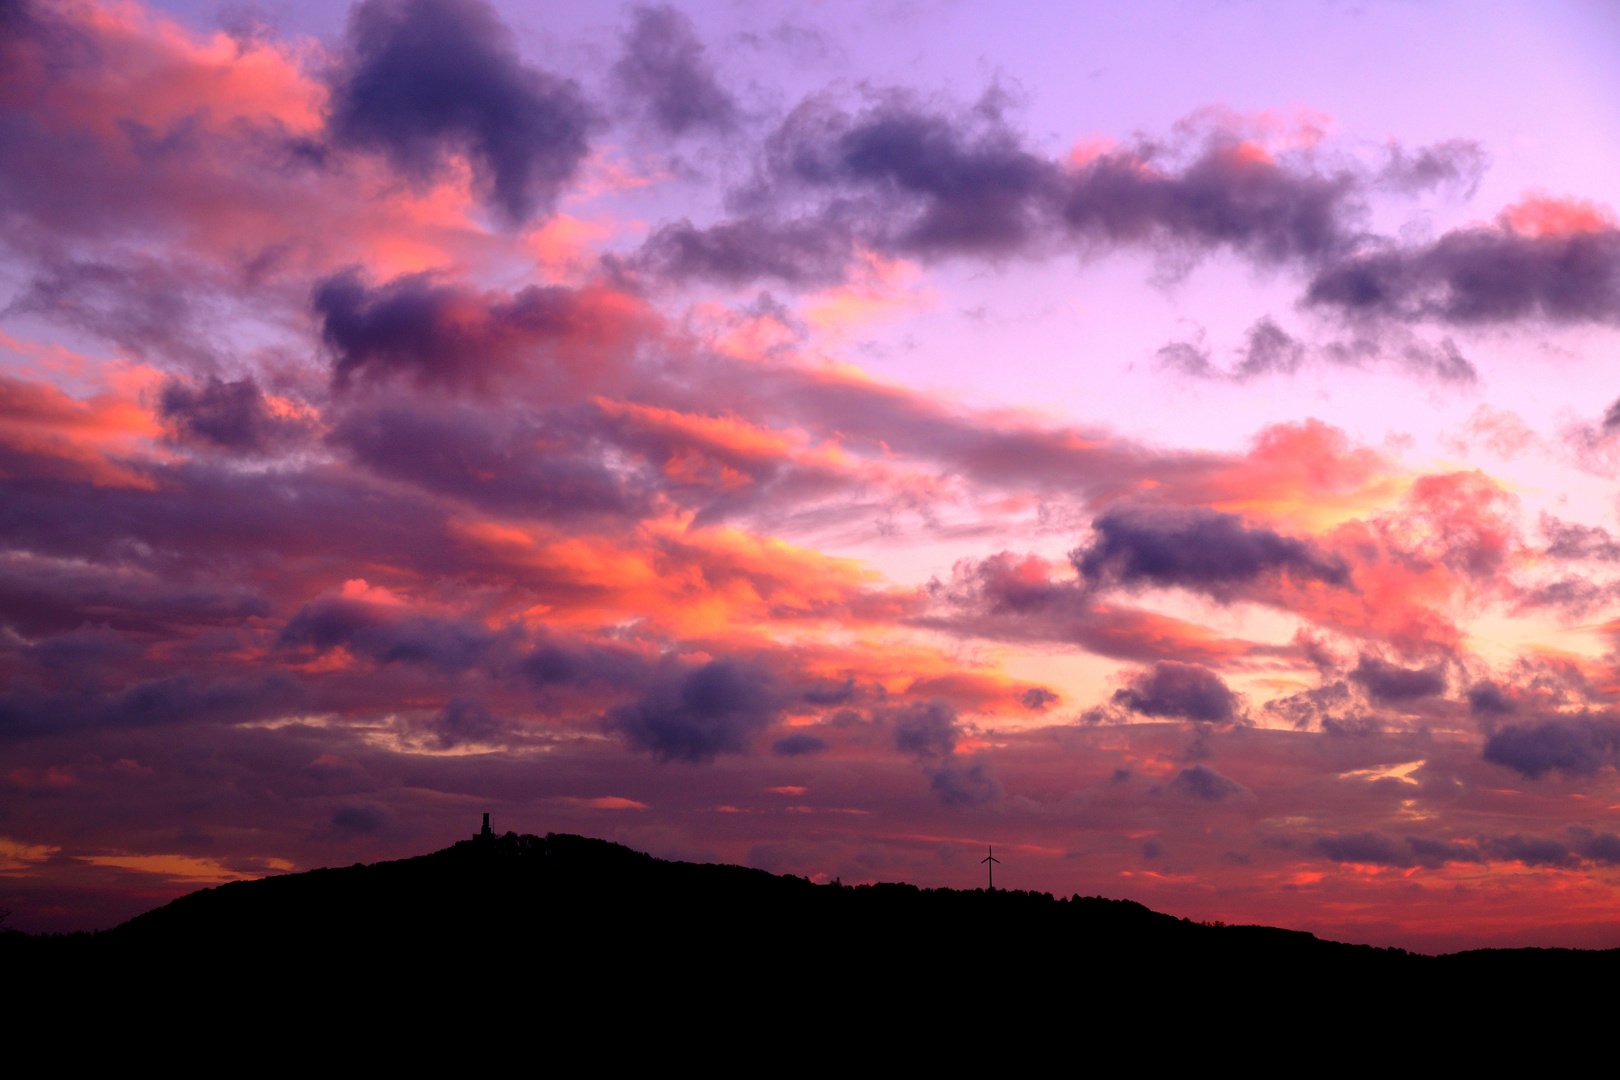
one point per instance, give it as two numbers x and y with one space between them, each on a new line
603 871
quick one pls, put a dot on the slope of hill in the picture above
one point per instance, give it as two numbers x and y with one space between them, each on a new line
569 925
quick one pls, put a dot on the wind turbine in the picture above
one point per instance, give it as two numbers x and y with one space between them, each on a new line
992 860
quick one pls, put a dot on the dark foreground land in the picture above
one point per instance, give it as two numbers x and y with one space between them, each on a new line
588 932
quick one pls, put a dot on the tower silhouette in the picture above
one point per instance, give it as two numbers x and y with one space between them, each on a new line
990 859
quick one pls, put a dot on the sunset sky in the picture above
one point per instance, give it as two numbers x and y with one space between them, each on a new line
1175 443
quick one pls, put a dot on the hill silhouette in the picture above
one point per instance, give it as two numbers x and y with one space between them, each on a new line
583 929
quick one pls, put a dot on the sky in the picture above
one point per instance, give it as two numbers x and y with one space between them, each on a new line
1174 443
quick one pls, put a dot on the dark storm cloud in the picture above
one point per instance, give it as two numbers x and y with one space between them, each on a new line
550 466
963 184
1441 360
557 662
904 177
232 416
1226 197
964 785
1481 276
1592 444
1566 540
364 819
927 729
1486 698
1390 684
217 539
665 73
1433 854
1182 691
143 305
1572 596
1037 698
41 594
1379 850
448 644
375 631
1455 163
1189 359
832 693
1578 747
1004 584
1599 847
1326 707
326 624
1364 847
1268 349
175 699
1531 850
747 249
83 651
799 744
1196 549
15 15
693 715
465 720
435 331
1205 784
426 78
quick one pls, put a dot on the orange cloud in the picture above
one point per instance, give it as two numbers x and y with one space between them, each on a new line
46 431
152 71
1307 476
562 245
692 584
1419 568
1541 214
879 288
